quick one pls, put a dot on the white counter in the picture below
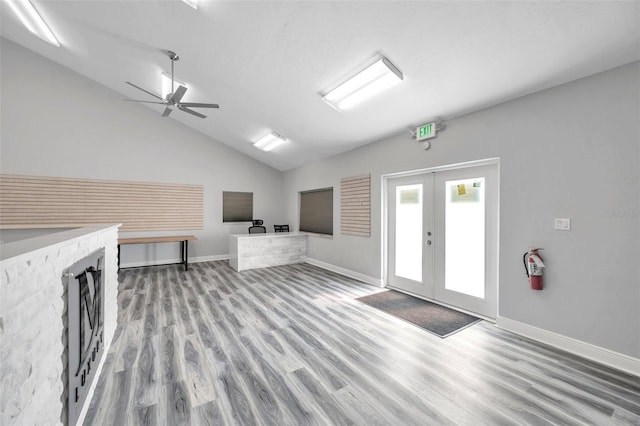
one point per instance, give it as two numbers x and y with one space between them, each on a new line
250 251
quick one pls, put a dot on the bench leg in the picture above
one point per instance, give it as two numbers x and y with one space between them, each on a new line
186 255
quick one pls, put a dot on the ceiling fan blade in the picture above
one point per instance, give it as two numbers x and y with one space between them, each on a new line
178 94
144 90
145 102
166 112
190 111
199 105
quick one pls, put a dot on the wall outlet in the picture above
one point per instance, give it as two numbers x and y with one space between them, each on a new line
563 224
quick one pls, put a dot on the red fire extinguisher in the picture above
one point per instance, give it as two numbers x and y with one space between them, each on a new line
533 266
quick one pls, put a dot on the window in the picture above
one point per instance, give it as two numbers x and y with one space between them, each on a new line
237 206
316 211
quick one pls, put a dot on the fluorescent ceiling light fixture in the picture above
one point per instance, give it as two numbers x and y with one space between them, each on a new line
192 3
269 141
374 79
166 85
30 18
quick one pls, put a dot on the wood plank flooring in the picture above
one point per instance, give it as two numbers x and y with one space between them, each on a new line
290 346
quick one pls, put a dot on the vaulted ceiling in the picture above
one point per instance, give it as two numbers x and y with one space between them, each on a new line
268 62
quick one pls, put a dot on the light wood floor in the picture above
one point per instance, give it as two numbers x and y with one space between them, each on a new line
291 346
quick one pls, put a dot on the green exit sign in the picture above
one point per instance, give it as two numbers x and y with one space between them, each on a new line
427 131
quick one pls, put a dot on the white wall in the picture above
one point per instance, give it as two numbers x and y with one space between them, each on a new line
57 123
570 151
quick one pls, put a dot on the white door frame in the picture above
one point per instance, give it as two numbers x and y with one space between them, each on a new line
385 215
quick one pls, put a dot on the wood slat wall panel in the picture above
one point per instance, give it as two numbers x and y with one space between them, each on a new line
355 206
53 202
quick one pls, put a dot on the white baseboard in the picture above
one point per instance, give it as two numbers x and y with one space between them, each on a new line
595 353
167 261
346 272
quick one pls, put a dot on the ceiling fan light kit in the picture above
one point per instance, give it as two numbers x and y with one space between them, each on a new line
376 78
32 20
167 82
174 98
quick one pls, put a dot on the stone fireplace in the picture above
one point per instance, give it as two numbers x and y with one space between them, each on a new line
35 363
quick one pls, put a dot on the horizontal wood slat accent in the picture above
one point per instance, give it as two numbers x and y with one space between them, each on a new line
355 205
54 202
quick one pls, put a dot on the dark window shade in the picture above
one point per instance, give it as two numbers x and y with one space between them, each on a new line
237 206
316 211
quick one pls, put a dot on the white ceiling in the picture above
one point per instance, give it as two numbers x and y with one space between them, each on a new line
266 62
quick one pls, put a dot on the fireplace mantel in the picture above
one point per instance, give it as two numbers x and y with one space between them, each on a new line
32 302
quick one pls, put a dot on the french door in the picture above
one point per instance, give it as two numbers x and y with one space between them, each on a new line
442 236
410 231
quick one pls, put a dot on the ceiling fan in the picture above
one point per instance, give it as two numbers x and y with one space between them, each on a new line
173 98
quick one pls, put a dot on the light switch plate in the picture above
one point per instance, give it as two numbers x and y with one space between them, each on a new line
562 224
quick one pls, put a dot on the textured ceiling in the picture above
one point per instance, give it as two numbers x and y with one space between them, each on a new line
267 62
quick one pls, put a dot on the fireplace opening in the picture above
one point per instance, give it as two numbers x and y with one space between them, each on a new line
85 330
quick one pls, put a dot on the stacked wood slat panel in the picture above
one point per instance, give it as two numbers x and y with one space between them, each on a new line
53 202
355 205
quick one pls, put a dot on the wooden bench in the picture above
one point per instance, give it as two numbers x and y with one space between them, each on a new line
182 239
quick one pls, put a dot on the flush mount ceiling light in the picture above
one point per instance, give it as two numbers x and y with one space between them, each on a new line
192 3
269 141
30 18
374 79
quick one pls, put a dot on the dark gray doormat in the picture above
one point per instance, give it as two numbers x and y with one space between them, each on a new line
434 318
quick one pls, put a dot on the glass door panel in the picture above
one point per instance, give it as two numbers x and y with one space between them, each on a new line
465 236
408 239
